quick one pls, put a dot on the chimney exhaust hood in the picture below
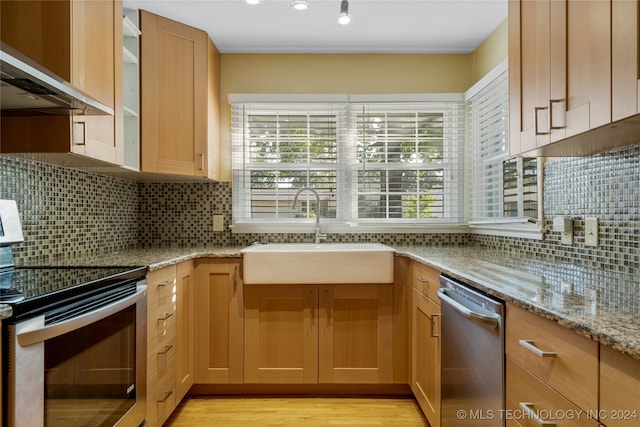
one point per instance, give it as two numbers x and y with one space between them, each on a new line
27 88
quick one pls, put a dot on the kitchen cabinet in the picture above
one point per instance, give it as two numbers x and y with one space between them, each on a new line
537 72
161 344
308 334
573 72
619 388
180 93
218 325
80 41
625 69
185 322
549 369
356 334
131 93
425 341
533 402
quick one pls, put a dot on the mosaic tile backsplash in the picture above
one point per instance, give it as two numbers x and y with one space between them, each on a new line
68 213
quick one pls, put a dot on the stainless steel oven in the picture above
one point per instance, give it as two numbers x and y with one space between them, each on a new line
76 356
74 346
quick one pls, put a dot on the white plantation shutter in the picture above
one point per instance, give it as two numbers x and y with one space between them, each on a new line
408 161
501 187
370 163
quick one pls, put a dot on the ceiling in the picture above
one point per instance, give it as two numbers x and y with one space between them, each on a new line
378 26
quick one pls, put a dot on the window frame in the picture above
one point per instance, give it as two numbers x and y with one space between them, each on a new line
347 162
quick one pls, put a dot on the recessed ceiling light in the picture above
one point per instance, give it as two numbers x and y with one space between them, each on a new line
300 4
252 2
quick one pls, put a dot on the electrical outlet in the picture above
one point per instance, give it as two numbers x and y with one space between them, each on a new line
218 222
591 232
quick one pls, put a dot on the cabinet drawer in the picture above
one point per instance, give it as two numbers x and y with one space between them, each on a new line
161 284
619 388
531 402
161 396
558 356
426 280
161 349
160 317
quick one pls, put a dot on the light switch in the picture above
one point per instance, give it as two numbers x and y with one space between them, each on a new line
591 231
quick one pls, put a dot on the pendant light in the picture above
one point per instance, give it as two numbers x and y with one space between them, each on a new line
345 17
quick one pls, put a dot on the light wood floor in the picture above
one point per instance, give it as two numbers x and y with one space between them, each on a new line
306 412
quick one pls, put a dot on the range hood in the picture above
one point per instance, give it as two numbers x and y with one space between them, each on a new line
27 88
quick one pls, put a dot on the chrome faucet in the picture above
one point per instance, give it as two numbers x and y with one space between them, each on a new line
318 235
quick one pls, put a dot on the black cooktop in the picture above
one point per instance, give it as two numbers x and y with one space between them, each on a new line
32 289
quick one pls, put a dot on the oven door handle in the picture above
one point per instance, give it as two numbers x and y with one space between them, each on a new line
26 338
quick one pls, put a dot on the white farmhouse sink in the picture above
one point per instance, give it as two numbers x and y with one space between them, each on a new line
326 263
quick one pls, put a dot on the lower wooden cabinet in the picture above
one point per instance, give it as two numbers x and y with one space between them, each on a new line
619 389
218 325
161 345
185 318
281 334
532 402
425 341
308 334
356 334
425 351
169 339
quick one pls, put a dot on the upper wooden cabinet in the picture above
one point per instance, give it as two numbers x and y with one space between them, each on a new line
180 91
573 70
80 41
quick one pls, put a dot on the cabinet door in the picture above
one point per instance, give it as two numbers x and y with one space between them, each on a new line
588 65
218 322
185 328
537 73
356 334
281 334
425 356
624 59
619 388
174 97
81 42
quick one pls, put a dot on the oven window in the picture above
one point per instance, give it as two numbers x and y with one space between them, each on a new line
90 373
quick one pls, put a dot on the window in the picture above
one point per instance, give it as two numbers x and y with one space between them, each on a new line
371 163
504 190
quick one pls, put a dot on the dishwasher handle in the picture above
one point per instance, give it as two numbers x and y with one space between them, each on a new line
480 318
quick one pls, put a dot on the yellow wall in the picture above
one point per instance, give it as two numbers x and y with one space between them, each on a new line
490 52
350 74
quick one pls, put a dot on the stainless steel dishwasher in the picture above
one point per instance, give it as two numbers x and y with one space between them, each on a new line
472 356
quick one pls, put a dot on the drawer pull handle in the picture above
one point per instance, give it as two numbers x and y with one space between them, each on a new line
165 350
536 111
167 283
165 317
167 394
526 408
528 344
422 280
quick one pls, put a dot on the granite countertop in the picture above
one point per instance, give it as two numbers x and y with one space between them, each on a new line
598 304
